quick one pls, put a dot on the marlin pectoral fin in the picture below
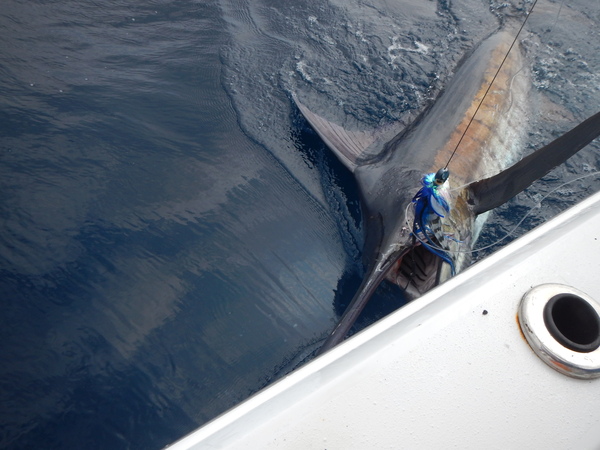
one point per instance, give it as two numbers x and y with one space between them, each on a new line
349 146
491 192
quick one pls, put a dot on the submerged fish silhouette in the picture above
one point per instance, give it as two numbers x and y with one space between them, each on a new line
389 169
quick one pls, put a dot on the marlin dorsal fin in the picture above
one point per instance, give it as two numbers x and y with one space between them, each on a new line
349 146
491 192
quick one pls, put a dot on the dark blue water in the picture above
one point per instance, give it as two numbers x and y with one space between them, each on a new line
173 236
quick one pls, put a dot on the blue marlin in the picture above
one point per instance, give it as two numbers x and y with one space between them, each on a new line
389 170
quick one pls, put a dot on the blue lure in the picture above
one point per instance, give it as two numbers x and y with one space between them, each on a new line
430 202
429 196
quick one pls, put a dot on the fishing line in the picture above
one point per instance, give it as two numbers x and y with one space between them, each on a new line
492 82
514 229
557 16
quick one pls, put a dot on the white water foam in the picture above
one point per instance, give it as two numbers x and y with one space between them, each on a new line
396 49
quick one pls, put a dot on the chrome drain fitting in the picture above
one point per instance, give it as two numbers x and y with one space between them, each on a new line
562 326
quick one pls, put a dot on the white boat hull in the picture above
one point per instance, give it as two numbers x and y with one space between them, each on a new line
450 370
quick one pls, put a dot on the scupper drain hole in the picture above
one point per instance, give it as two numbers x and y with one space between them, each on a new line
573 322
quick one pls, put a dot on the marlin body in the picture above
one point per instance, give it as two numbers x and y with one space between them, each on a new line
389 169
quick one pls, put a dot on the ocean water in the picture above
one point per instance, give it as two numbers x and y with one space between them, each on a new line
174 237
